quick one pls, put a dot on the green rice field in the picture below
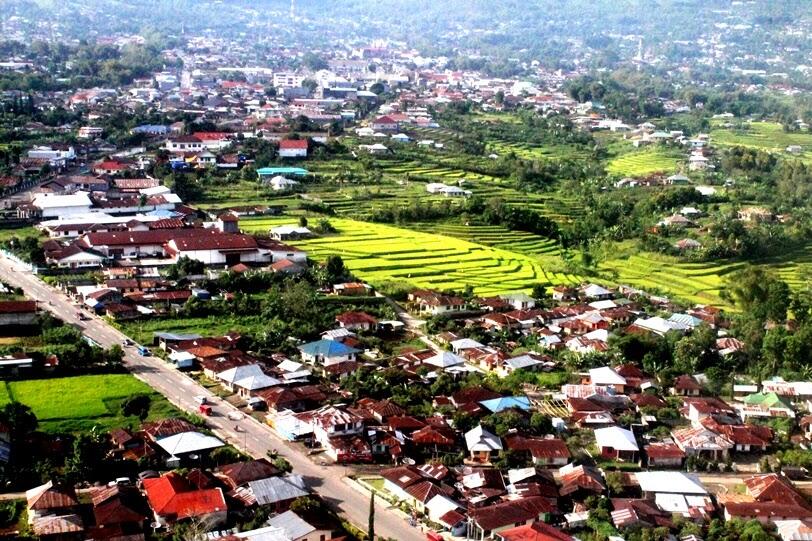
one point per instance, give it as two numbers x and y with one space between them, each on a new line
638 163
381 253
77 404
763 135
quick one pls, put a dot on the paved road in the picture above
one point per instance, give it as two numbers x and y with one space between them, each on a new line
253 437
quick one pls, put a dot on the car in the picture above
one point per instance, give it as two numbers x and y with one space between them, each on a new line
144 352
126 342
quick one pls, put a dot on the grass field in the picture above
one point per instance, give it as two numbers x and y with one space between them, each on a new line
381 253
655 159
142 332
77 404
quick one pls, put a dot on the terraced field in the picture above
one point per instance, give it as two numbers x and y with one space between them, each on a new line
645 162
380 253
763 135
701 282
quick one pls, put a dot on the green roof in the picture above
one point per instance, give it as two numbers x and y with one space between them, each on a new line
769 400
281 171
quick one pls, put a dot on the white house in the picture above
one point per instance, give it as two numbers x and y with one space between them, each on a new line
293 148
54 206
280 183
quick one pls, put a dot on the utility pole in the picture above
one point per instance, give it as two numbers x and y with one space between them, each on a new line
292 10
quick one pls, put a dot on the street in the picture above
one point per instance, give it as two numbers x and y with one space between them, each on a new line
253 437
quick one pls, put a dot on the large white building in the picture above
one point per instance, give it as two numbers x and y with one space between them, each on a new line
56 206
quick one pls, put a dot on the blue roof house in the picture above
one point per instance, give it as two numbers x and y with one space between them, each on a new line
327 352
497 405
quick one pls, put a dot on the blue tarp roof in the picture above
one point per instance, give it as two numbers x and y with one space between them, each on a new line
506 402
281 171
176 336
326 348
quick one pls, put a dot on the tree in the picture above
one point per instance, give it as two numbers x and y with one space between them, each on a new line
302 221
334 269
20 420
137 405
371 524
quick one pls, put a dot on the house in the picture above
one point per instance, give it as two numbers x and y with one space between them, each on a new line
352 289
173 498
409 484
280 183
62 206
430 302
246 380
357 321
676 492
293 148
544 451
617 443
18 313
580 480
764 405
327 352
699 441
537 531
686 385
482 445
277 493
385 124
240 473
606 377
296 528
183 144
664 455
118 508
596 292
53 512
184 444
489 521
519 301
290 232
765 512
332 422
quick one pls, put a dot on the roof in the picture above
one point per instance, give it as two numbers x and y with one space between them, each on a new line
538 447
171 495
222 241
775 488
277 489
538 531
294 526
444 359
50 496
479 439
188 442
17 307
50 201
605 376
672 482
57 524
293 144
167 427
664 450
497 405
617 438
511 512
767 510
326 348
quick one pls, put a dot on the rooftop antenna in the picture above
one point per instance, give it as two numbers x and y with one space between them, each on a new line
292 9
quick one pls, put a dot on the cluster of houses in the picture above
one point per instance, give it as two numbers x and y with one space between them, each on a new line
158 500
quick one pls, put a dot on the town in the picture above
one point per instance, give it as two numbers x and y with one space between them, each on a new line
341 283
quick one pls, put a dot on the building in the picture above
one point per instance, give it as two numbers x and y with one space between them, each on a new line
482 445
617 443
62 206
293 148
173 498
327 352
18 313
